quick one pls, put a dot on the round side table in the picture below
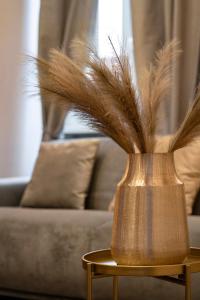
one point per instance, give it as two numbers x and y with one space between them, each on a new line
100 264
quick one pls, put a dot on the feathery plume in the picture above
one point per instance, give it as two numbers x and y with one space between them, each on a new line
103 93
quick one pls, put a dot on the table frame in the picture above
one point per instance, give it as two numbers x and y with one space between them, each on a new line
183 272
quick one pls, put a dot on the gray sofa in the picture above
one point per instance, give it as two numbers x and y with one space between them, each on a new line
40 249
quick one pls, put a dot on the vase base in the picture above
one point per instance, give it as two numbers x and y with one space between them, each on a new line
130 260
158 262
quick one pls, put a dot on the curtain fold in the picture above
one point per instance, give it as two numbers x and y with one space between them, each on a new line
155 22
60 22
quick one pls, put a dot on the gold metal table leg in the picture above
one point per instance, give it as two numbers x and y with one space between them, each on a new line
187 274
115 287
89 281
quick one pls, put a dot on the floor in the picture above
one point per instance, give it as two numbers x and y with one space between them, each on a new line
9 298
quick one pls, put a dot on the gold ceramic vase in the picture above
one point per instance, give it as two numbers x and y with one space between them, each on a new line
150 224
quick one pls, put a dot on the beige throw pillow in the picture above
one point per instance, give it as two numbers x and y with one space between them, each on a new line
61 175
187 163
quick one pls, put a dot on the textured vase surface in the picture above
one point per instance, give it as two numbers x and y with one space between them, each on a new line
150 222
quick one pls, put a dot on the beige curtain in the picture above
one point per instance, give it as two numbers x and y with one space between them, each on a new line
155 22
60 22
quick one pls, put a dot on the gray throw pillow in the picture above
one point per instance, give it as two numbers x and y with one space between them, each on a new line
61 175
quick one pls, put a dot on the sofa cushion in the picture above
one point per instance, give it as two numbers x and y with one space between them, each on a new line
108 170
61 175
40 252
194 230
40 249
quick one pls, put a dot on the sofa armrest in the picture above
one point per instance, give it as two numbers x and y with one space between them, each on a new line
11 190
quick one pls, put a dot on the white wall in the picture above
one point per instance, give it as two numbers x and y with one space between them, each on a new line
20 125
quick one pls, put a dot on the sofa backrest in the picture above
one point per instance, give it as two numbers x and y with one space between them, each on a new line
108 170
196 207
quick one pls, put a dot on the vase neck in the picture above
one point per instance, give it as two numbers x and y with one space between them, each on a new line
150 169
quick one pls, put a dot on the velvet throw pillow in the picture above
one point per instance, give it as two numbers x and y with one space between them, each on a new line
61 175
187 163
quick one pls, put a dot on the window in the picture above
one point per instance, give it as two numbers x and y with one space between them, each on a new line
117 25
31 130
